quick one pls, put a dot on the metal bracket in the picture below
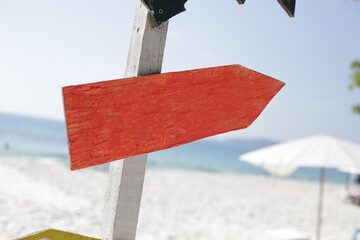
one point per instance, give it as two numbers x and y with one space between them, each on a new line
163 10
288 6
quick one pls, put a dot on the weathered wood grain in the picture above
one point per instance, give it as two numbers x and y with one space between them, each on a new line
127 117
52 234
126 176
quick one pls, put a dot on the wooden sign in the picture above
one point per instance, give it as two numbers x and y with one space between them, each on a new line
52 234
111 120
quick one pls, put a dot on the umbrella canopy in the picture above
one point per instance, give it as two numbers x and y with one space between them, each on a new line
350 170
321 151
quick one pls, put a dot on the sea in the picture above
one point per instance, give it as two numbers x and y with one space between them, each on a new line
28 136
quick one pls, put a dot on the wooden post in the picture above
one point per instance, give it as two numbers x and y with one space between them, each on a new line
320 204
126 177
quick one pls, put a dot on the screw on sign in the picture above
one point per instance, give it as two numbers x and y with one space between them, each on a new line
52 234
163 10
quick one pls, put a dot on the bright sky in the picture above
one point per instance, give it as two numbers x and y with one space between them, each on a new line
47 44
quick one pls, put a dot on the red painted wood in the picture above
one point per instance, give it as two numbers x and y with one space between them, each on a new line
111 120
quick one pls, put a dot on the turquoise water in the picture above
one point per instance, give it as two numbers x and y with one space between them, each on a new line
38 137
222 157
31 136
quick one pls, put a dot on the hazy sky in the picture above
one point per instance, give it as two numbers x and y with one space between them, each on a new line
47 44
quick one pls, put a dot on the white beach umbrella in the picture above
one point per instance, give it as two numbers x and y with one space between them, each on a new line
350 170
319 151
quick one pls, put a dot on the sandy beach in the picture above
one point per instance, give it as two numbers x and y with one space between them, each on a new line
39 193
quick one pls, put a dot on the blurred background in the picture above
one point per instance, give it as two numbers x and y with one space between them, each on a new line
47 44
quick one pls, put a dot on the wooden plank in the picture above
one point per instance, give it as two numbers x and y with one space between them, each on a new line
320 203
127 117
52 234
126 177
125 191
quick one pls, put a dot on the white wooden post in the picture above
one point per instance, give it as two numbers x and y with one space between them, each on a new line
126 177
320 204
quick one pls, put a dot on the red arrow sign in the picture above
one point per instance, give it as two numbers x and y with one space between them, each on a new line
111 120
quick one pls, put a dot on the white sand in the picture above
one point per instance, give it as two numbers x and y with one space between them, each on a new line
41 193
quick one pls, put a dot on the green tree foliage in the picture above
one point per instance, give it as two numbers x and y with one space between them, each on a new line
355 66
355 82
